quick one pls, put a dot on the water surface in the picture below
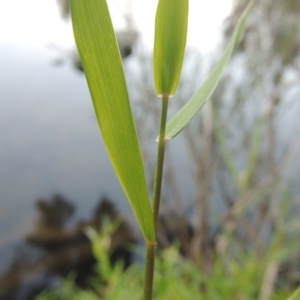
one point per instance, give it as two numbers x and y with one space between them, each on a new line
50 141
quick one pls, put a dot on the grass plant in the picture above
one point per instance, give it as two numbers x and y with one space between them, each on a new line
102 64
98 49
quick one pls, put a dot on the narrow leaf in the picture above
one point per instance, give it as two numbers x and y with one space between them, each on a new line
189 110
103 68
169 44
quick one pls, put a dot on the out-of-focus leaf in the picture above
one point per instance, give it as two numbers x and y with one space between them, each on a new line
296 295
189 110
103 68
169 44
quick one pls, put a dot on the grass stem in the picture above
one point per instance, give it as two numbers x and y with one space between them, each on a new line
150 255
149 270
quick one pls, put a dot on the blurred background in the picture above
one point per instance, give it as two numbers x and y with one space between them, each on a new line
231 186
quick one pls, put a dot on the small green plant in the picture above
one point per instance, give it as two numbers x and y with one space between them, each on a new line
102 65
176 277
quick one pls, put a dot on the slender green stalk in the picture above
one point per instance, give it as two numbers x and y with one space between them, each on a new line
160 159
149 270
150 255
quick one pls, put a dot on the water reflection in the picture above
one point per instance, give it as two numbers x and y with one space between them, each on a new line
54 214
55 247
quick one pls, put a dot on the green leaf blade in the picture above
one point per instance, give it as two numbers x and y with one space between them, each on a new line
171 24
96 42
190 109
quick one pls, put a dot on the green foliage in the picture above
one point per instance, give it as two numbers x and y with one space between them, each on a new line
102 64
96 42
170 38
190 109
67 291
101 60
176 278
